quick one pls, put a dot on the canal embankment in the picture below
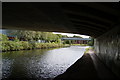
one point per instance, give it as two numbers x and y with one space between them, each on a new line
25 45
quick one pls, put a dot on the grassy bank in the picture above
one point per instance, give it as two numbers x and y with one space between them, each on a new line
24 45
79 44
88 49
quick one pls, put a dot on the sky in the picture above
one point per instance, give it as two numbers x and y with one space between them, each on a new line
71 35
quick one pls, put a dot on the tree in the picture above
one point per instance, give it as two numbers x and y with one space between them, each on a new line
64 36
38 35
3 37
77 36
35 35
91 42
24 34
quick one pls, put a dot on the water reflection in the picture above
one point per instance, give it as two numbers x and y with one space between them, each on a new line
40 64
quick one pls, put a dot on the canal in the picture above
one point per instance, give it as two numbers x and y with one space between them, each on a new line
40 64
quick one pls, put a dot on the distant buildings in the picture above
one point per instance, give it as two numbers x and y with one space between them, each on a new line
77 40
8 34
11 36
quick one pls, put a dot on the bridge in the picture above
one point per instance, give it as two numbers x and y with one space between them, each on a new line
77 40
99 20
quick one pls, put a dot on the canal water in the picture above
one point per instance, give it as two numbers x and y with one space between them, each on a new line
40 64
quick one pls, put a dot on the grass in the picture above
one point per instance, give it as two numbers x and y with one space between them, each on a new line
79 44
87 49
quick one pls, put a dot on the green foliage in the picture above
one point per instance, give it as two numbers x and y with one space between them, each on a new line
3 37
79 44
24 45
35 35
59 41
16 39
87 49
67 42
64 36
91 42
77 36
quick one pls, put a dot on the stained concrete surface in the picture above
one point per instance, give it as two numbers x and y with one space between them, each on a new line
107 48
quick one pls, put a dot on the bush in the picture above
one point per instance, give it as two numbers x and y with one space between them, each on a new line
91 42
79 44
3 37
24 45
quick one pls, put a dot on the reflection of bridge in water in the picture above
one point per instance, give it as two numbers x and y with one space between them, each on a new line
78 40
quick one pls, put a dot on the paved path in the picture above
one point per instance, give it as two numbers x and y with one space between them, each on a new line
103 71
87 67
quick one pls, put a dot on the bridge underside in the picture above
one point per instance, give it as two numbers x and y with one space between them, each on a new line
99 20
93 19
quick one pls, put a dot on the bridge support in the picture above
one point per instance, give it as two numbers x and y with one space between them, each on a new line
107 49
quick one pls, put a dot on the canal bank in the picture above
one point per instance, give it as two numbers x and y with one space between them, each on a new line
25 45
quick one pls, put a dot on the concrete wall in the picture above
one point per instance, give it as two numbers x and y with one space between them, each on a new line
107 49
